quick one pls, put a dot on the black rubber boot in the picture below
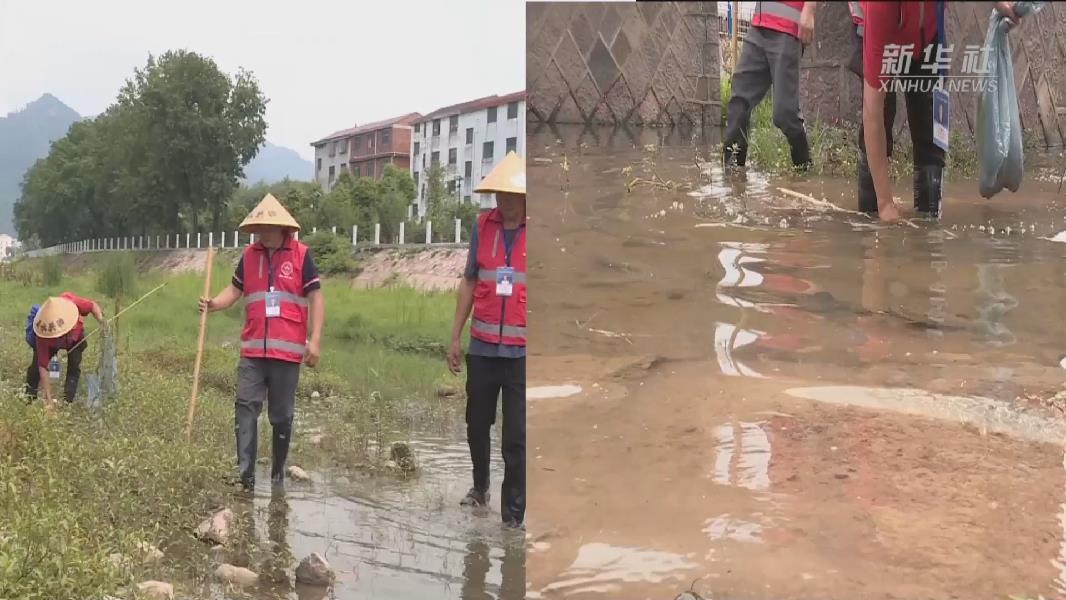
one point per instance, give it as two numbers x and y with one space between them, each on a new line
734 155
928 190
475 497
867 194
246 431
282 433
801 153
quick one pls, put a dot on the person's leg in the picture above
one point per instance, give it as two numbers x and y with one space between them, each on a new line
482 389
251 388
928 157
70 387
282 377
867 196
783 53
748 86
513 493
33 378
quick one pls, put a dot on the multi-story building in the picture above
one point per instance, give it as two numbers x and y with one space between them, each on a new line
8 245
468 140
364 150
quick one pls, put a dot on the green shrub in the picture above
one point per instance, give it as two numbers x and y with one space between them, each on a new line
332 253
118 277
52 271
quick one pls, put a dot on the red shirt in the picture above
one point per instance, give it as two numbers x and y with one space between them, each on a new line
890 23
46 347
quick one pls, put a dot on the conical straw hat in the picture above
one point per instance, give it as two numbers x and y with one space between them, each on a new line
269 212
508 176
56 317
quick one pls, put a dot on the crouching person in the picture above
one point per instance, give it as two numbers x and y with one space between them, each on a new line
57 325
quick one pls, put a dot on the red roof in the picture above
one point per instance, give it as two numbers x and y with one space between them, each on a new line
358 129
472 105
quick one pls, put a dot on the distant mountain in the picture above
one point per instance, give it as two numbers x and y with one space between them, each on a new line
25 136
274 163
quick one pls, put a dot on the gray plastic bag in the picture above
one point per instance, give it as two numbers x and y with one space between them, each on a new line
999 127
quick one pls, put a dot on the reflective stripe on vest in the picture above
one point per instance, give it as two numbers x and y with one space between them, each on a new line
855 9
490 275
286 296
778 16
272 344
508 330
778 9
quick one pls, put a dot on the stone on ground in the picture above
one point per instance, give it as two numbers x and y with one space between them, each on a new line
217 528
314 570
156 589
297 473
236 575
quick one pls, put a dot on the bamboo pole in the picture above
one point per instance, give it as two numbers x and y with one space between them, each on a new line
199 347
736 31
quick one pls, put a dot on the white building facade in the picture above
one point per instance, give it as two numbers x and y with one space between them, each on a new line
8 245
467 140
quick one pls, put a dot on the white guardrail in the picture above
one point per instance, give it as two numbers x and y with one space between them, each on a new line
207 240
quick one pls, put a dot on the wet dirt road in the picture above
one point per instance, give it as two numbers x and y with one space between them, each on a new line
384 537
734 386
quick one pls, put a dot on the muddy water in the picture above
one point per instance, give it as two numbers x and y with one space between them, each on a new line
754 395
384 537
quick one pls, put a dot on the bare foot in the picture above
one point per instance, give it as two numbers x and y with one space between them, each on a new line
888 212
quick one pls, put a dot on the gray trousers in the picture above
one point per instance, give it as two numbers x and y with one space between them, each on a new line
767 58
275 381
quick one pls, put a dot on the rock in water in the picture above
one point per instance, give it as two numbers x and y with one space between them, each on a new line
404 457
314 570
217 528
236 575
297 473
156 589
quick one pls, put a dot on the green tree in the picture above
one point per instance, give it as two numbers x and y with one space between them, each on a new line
167 155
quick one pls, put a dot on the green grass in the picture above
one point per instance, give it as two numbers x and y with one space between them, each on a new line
77 488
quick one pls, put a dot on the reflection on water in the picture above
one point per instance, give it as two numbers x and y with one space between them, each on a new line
742 456
888 337
602 568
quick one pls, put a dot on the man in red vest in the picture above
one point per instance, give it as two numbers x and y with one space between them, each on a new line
888 26
494 286
58 326
771 55
279 282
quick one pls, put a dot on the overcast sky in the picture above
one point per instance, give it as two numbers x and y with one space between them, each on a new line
324 65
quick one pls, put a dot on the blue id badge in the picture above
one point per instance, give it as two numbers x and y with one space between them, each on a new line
941 116
504 281
273 304
53 368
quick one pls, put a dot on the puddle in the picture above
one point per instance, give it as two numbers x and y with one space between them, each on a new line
387 538
544 392
837 408
602 568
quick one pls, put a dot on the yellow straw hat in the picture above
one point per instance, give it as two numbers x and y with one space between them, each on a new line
269 212
509 176
56 317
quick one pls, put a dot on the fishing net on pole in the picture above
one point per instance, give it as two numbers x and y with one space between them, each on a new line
102 385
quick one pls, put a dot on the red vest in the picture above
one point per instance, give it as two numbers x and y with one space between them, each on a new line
779 16
282 337
499 319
